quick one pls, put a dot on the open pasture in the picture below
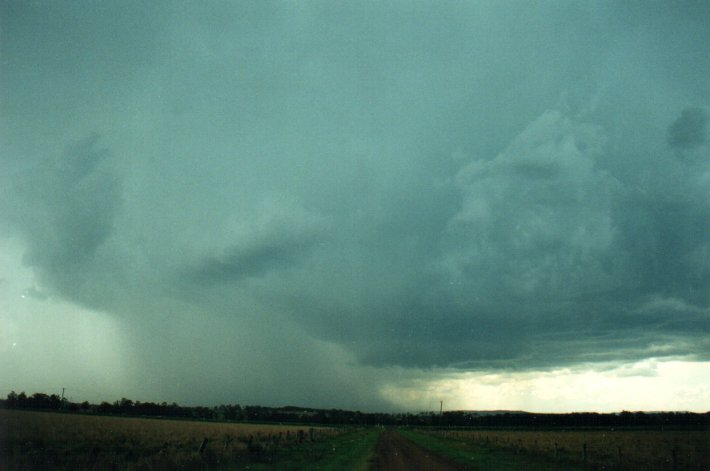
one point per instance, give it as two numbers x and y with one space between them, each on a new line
600 449
44 440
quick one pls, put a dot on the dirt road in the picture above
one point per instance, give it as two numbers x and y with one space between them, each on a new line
395 453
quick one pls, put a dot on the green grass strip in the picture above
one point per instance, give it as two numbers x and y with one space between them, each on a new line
482 457
350 451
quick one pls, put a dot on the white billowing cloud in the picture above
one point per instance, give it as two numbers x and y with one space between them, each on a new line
537 218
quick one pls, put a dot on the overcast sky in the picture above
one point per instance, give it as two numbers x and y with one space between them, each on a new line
365 205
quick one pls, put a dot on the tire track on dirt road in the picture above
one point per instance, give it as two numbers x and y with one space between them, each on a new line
396 453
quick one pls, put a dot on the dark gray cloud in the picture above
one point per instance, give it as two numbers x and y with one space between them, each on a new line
252 261
66 208
273 243
690 130
477 186
547 259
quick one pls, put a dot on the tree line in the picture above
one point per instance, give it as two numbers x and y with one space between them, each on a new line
291 414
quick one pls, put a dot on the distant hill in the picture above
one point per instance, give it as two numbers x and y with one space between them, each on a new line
483 413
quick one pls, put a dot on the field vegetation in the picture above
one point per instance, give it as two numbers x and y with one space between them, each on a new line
46 432
50 440
572 449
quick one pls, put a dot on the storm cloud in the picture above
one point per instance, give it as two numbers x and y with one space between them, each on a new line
275 189
690 130
65 208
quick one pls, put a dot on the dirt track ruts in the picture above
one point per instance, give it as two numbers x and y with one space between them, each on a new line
395 453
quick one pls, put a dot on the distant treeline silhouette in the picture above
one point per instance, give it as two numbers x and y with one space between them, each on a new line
301 415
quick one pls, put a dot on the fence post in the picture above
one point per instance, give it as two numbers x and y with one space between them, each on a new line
584 453
202 446
227 441
675 457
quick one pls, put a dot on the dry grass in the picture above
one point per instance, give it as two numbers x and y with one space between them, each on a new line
41 440
615 449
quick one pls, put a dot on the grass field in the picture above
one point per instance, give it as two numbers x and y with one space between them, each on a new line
45 440
484 457
572 449
352 451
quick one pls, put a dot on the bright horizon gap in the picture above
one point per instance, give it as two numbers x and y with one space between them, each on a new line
523 391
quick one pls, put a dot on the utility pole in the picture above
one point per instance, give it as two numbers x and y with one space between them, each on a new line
441 407
62 406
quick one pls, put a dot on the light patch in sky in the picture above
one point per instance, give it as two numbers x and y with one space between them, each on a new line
676 385
47 343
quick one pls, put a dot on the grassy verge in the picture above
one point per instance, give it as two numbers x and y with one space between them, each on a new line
484 457
350 451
